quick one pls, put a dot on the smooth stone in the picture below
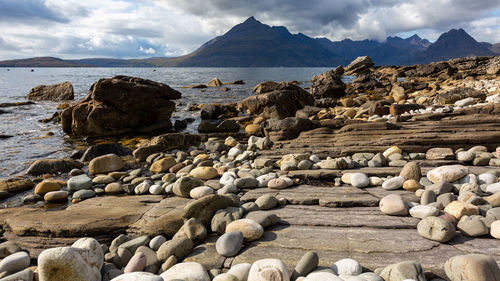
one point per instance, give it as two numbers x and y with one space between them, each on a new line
428 196
394 205
265 219
15 262
411 171
156 189
250 229
371 276
162 165
200 191
266 202
114 188
393 183
406 270
465 156
137 263
472 267
225 277
229 244
436 229
305 165
440 187
204 173
268 269
105 164
188 271
472 226
103 180
493 188
307 263
240 270
138 276
47 186
265 179
445 198
246 183
192 229
79 182
156 242
423 211
278 184
133 244
225 216
56 196
323 276
449 173
459 209
24 275
8 248
440 153
391 150
83 194
347 267
375 181
183 186
359 180
412 185
180 247
495 229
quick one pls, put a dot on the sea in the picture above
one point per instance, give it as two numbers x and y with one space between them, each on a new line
30 140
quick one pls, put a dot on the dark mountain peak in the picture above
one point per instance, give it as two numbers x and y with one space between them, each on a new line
414 37
251 21
456 33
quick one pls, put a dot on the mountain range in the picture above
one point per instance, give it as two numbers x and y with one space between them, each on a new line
254 44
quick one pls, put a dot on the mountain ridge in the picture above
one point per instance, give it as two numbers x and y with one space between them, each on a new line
254 44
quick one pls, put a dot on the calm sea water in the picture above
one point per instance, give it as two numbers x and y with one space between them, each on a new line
29 141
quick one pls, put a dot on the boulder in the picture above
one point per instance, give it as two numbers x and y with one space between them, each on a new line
436 229
53 166
365 82
327 85
226 126
285 129
218 111
120 105
105 164
101 149
282 102
472 267
204 208
215 82
56 92
15 185
359 65
265 87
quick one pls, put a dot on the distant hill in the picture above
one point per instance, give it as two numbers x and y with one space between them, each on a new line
254 44
455 43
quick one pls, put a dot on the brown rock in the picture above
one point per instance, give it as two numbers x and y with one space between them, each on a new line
215 82
106 163
56 92
15 185
439 153
411 171
53 166
472 267
47 186
327 85
162 165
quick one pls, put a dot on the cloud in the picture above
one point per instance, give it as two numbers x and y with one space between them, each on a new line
28 11
142 28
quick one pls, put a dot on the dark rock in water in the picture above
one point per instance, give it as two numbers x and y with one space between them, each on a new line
226 126
218 111
457 94
288 128
360 65
120 105
283 102
265 87
215 82
237 82
56 92
32 199
103 149
327 85
180 125
166 142
197 86
10 104
5 136
365 82
15 185
3 111
53 166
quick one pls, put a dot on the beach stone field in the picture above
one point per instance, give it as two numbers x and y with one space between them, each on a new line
394 176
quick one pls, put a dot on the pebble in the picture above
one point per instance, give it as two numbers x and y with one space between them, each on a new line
411 171
226 276
375 181
180 247
105 164
47 186
143 187
449 173
156 189
103 180
229 244
56 196
250 229
472 226
392 150
495 229
472 267
465 156
459 209
436 229
83 194
359 180
24 275
268 269
200 191
240 270
323 276
157 241
265 219
278 184
403 271
428 196
246 183
264 179
493 188
394 205
186 271
393 183
79 182
266 202
307 263
204 173
15 262
114 188
137 263
423 211
138 276
347 267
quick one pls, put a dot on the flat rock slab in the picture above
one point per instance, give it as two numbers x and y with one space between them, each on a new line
345 196
342 217
101 217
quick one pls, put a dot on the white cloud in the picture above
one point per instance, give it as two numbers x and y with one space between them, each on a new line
139 28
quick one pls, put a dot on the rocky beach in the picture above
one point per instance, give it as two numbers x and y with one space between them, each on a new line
392 175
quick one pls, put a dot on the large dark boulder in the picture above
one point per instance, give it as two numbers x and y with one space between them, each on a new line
56 92
218 111
101 149
365 82
280 103
121 104
286 129
226 126
327 85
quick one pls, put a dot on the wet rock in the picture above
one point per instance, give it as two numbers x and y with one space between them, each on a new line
218 111
53 166
56 92
79 183
56 196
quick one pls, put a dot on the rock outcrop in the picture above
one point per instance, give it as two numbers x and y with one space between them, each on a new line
56 92
282 102
327 85
120 105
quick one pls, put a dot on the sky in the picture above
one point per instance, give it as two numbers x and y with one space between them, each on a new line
73 29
